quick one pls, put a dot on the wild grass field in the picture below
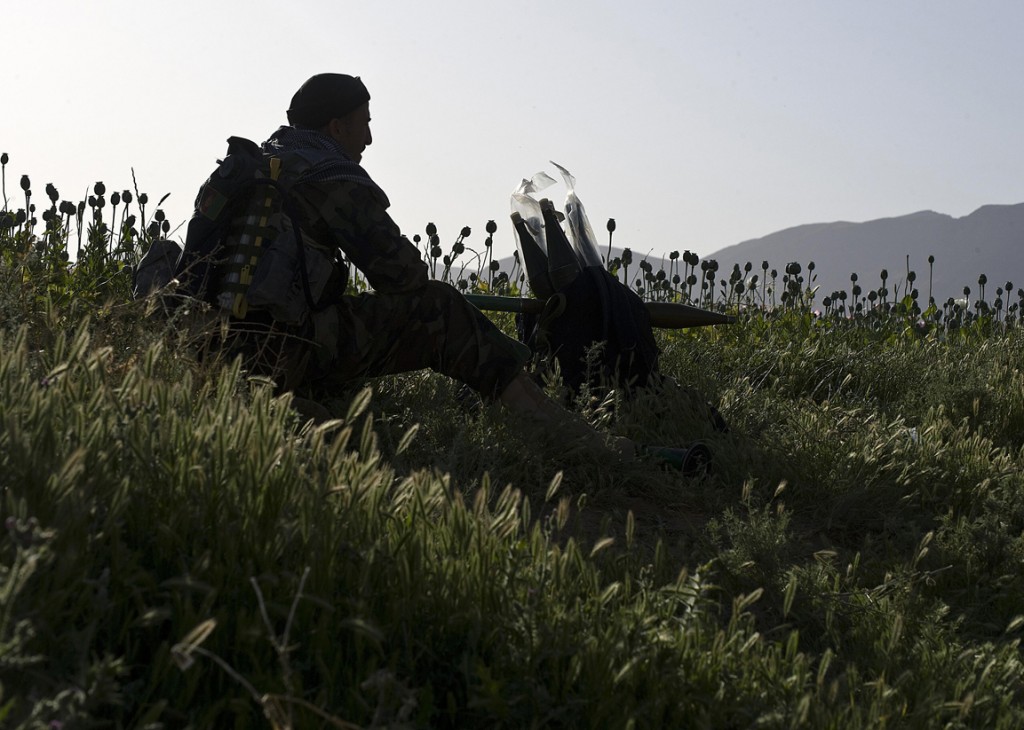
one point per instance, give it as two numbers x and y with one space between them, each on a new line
180 549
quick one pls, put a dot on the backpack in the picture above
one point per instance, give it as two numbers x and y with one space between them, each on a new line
241 246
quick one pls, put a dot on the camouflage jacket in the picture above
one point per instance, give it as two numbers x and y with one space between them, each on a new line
343 209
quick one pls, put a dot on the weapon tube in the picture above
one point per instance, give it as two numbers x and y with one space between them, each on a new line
534 260
664 315
563 266
583 243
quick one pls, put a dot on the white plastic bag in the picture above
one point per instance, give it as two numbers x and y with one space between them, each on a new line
579 231
528 206
576 225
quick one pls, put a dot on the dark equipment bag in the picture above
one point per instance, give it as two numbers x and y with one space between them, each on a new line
598 330
228 187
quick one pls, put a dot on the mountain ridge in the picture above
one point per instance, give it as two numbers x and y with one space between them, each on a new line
986 241
989 240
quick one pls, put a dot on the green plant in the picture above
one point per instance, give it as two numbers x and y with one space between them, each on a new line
181 548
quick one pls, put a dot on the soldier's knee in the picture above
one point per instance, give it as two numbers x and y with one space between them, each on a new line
444 299
435 289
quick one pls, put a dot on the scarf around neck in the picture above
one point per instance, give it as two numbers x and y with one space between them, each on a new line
336 165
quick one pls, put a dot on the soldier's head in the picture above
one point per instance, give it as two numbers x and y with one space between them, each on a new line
337 105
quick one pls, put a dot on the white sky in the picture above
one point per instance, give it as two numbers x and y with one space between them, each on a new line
694 124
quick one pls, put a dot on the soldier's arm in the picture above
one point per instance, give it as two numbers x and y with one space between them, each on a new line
352 218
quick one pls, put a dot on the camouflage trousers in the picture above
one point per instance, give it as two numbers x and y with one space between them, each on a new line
373 334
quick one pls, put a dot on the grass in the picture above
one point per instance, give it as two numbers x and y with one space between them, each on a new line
181 550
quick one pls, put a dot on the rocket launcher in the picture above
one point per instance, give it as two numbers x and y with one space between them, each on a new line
664 315
534 260
563 266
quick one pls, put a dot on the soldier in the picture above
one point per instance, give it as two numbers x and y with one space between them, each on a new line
408 322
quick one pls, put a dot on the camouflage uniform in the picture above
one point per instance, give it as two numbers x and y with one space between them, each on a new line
408 322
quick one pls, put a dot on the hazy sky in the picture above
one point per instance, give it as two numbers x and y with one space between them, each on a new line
694 124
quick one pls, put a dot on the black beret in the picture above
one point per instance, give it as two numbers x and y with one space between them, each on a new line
325 97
